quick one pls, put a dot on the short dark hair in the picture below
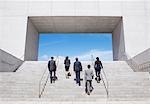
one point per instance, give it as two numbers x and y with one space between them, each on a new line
89 66
97 58
52 57
76 59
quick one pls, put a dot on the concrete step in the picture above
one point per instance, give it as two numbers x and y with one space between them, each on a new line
124 84
46 101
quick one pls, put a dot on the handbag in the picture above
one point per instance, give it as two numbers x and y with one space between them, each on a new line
69 74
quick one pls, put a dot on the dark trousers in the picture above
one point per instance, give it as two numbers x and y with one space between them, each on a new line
97 72
90 81
51 75
67 68
78 77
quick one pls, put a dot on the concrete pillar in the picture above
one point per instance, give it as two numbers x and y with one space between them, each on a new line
32 42
118 42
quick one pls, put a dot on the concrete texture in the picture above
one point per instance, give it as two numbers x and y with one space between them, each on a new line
100 102
14 16
8 63
140 62
125 85
17 33
32 42
75 24
118 42
142 57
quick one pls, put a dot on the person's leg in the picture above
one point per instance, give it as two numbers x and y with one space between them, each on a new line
67 71
86 87
91 85
50 76
79 78
55 74
99 73
96 73
76 77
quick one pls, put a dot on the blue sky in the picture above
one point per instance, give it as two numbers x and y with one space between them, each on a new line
76 45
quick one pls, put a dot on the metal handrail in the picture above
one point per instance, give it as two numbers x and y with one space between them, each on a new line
41 91
106 86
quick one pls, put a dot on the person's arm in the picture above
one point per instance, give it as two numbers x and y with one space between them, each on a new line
80 66
92 74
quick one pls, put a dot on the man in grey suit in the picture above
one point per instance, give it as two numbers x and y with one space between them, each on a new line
52 69
77 68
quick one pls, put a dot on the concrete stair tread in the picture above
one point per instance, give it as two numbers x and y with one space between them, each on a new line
124 84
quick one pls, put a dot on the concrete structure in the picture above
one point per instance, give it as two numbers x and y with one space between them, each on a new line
22 21
124 85
9 62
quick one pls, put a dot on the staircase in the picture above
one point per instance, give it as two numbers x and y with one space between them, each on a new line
124 85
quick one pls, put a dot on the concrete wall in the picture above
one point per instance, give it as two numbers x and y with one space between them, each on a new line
140 62
32 43
142 57
148 20
0 31
0 60
135 14
13 33
8 63
118 42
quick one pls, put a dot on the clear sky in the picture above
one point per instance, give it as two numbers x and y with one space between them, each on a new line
76 45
